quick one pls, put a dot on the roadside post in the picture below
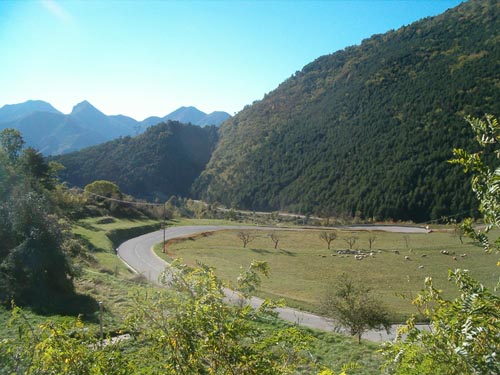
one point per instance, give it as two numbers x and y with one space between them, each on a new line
163 224
100 322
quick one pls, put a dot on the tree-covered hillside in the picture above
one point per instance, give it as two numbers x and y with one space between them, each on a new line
163 161
35 267
367 131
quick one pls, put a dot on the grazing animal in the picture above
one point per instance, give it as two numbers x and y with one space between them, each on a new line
407 257
420 266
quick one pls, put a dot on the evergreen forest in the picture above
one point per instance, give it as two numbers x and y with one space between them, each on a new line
161 162
367 131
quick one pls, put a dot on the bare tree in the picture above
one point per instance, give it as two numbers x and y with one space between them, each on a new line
328 237
371 240
458 231
245 237
275 238
350 241
407 241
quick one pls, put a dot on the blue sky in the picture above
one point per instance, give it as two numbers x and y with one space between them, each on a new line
143 58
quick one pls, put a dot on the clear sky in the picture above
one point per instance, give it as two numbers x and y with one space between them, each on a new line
145 58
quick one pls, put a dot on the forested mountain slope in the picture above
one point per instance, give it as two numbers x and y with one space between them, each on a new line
163 161
367 131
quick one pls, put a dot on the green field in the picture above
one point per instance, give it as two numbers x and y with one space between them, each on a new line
109 281
303 269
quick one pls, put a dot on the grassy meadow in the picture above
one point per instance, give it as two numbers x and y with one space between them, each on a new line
303 269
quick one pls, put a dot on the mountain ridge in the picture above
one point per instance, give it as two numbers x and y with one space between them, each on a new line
162 161
85 125
367 131
10 112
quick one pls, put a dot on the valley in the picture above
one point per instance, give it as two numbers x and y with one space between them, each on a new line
360 193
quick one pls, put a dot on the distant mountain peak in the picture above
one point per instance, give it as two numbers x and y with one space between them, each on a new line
10 112
195 116
84 106
35 105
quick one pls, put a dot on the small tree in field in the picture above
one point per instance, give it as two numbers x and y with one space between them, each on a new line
245 237
407 241
328 237
371 240
275 238
351 241
458 231
352 305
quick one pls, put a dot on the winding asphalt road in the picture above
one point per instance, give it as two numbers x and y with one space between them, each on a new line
138 254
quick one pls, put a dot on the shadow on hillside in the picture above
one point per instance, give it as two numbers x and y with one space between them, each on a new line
89 245
90 227
72 304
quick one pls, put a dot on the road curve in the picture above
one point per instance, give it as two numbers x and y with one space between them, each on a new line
138 254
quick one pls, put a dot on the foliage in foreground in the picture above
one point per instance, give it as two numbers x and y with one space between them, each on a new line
58 348
464 335
192 330
485 175
188 328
